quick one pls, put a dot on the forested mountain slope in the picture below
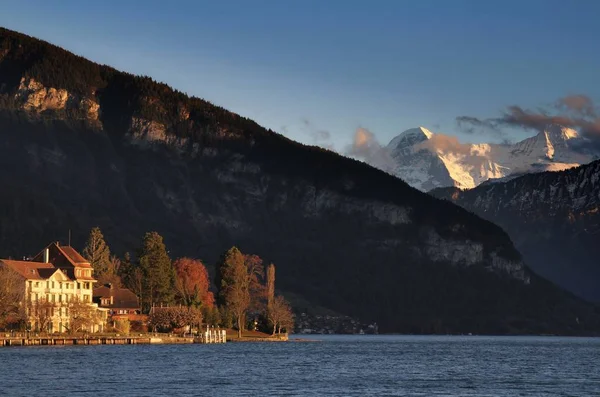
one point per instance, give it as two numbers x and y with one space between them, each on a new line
84 145
552 217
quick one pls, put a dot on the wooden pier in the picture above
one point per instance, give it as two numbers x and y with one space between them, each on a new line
58 340
212 336
208 336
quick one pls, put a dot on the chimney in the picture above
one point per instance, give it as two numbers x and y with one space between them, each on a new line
46 255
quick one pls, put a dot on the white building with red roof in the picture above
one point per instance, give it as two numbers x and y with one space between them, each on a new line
57 282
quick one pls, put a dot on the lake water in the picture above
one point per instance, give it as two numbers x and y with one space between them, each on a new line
334 366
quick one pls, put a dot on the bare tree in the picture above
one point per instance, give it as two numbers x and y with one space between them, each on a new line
280 315
136 282
82 316
41 313
12 293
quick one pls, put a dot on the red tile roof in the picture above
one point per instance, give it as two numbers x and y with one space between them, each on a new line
74 256
31 270
65 258
123 298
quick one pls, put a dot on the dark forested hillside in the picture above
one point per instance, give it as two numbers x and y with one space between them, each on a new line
552 217
85 145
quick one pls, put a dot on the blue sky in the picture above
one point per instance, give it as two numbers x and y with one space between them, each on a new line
301 67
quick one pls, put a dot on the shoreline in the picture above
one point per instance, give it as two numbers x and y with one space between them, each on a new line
150 339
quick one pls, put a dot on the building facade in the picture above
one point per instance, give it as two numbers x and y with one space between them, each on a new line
120 302
58 291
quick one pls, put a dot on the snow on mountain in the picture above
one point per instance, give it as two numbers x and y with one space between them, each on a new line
426 160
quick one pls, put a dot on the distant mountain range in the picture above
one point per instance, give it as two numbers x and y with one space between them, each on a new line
426 160
552 217
85 145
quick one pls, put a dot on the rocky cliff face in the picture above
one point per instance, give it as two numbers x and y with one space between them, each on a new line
552 217
84 145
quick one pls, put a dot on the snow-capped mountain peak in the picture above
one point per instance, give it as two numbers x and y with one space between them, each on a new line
410 137
426 160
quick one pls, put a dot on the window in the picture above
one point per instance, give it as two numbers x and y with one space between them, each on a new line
30 284
60 285
60 298
47 284
78 286
37 283
53 284
87 286
86 298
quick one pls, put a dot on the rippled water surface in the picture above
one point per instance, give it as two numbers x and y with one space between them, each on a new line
335 365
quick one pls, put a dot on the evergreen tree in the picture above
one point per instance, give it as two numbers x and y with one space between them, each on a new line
233 285
125 269
132 276
158 282
96 251
111 276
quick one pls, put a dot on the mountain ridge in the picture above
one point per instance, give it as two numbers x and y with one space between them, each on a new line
552 217
431 160
85 145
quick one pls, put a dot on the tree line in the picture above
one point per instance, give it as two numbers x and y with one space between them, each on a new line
178 293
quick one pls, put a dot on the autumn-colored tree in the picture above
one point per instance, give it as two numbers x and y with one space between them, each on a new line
270 287
12 293
97 252
280 315
192 283
255 273
158 273
233 285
